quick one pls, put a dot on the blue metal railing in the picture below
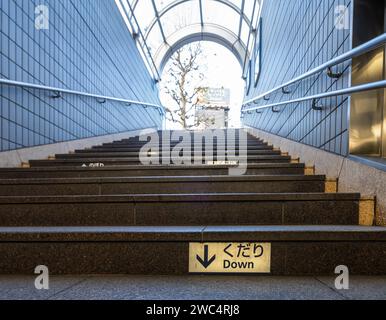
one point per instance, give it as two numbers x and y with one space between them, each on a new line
59 91
364 48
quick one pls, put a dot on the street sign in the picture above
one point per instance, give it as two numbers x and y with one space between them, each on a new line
244 257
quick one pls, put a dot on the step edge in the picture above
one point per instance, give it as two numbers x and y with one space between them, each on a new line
194 234
152 179
223 197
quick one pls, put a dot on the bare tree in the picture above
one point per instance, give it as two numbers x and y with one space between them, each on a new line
184 78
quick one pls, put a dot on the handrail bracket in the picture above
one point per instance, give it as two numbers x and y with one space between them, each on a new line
315 105
285 91
56 95
333 75
101 101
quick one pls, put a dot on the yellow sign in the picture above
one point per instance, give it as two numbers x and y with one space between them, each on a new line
228 257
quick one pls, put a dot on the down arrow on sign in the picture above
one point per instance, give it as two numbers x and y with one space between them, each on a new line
206 262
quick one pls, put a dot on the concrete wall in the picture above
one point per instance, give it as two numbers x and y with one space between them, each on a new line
297 36
86 48
15 158
352 176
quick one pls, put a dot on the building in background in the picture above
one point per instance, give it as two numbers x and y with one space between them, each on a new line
212 109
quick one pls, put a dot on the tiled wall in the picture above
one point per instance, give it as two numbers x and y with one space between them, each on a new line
86 48
297 36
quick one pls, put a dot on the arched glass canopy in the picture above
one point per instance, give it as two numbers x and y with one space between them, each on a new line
163 26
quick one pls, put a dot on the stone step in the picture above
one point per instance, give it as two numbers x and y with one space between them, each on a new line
136 149
129 148
182 210
295 250
140 170
132 161
197 145
187 141
100 154
163 185
231 139
192 132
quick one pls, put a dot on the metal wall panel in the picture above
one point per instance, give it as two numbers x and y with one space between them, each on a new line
298 36
366 114
87 48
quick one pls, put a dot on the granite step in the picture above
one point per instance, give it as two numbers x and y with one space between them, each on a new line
157 250
101 154
166 185
235 131
140 170
140 144
192 138
181 210
136 149
194 134
132 161
192 141
131 148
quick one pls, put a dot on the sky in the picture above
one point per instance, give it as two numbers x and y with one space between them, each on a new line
222 70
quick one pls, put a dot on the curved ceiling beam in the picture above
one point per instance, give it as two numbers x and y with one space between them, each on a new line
133 5
195 32
178 2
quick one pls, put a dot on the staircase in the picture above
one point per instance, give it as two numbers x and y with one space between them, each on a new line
100 210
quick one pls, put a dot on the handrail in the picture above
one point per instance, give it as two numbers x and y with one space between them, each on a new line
78 93
342 92
364 48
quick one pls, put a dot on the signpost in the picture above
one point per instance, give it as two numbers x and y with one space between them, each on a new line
230 257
